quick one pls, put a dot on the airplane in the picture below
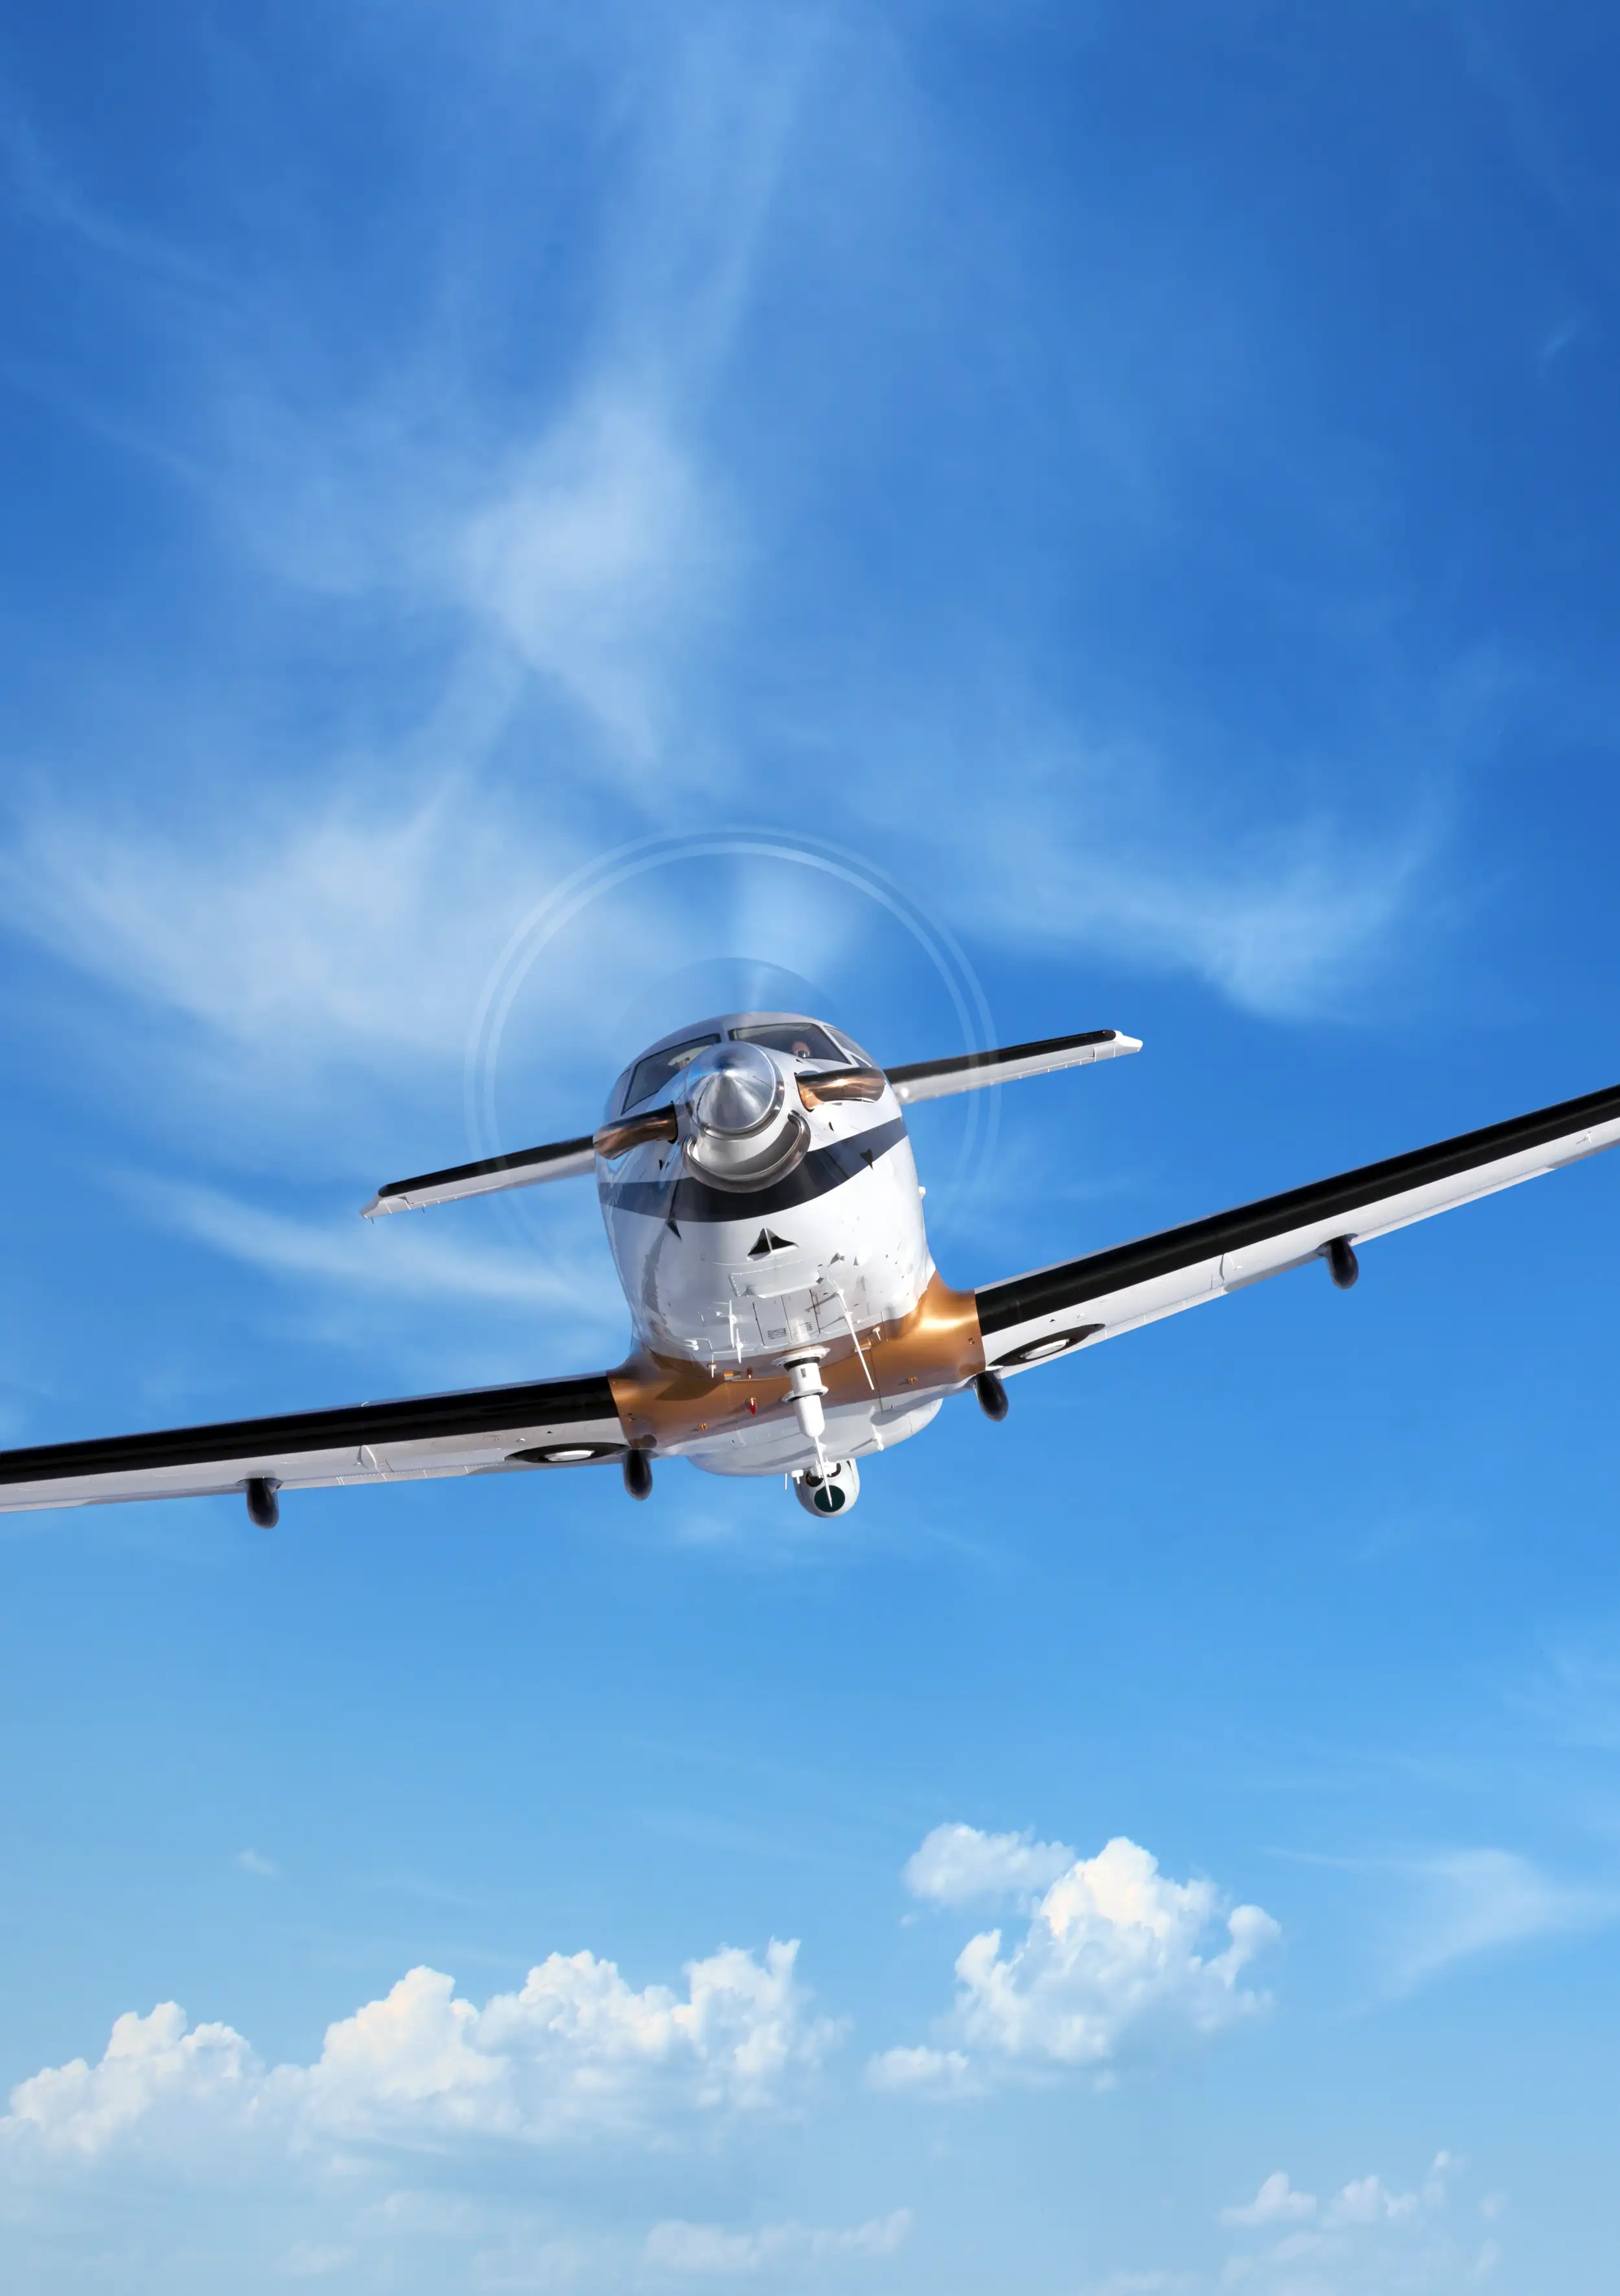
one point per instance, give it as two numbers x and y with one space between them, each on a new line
762 1205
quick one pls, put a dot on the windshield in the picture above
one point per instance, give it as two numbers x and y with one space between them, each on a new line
658 1068
802 1039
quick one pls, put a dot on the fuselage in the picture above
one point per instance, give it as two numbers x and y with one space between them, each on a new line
780 1221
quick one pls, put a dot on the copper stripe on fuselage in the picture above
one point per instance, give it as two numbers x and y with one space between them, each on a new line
665 1403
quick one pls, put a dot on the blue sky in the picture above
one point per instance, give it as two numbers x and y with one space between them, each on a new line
1021 518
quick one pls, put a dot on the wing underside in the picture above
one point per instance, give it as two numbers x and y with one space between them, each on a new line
485 1431
1082 1302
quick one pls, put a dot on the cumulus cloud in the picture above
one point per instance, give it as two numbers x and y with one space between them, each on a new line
1114 1948
576 2052
1366 2238
1275 2203
958 1864
679 2248
939 2072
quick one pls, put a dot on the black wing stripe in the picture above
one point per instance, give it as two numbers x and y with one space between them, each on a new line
420 1418
1051 1289
521 1159
962 1062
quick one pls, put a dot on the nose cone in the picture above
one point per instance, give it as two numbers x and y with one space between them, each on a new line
735 1090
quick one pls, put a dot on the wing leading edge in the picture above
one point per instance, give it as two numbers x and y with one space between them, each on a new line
1031 1318
482 1431
972 1071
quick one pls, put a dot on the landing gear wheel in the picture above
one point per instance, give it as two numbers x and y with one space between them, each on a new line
991 1394
833 1493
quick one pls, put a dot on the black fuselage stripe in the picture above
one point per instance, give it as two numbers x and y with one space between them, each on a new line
1051 1289
482 1411
961 1062
681 1197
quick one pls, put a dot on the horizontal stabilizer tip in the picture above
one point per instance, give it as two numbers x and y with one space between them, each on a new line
524 1167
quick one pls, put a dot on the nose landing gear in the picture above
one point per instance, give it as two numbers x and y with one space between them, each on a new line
830 1492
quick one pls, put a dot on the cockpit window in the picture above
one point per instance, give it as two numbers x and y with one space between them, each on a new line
658 1068
802 1039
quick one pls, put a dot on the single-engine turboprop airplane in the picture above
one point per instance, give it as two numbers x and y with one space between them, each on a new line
763 1209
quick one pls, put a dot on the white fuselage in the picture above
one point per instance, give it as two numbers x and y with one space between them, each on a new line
738 1275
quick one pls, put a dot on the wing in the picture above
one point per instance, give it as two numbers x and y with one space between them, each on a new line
972 1071
543 1424
1055 1309
563 1159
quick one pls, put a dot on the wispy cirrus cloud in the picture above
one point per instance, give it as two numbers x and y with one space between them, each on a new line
1465 1904
560 576
410 1260
1439 1911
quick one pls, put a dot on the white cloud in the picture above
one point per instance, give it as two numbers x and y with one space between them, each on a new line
1153 2283
957 1864
1066 838
575 2052
576 535
410 1258
1365 2241
1114 1948
578 532
1275 2203
676 2247
593 559
1477 1901
251 1862
1368 2201
935 2072
1284 930
347 924
153 2069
